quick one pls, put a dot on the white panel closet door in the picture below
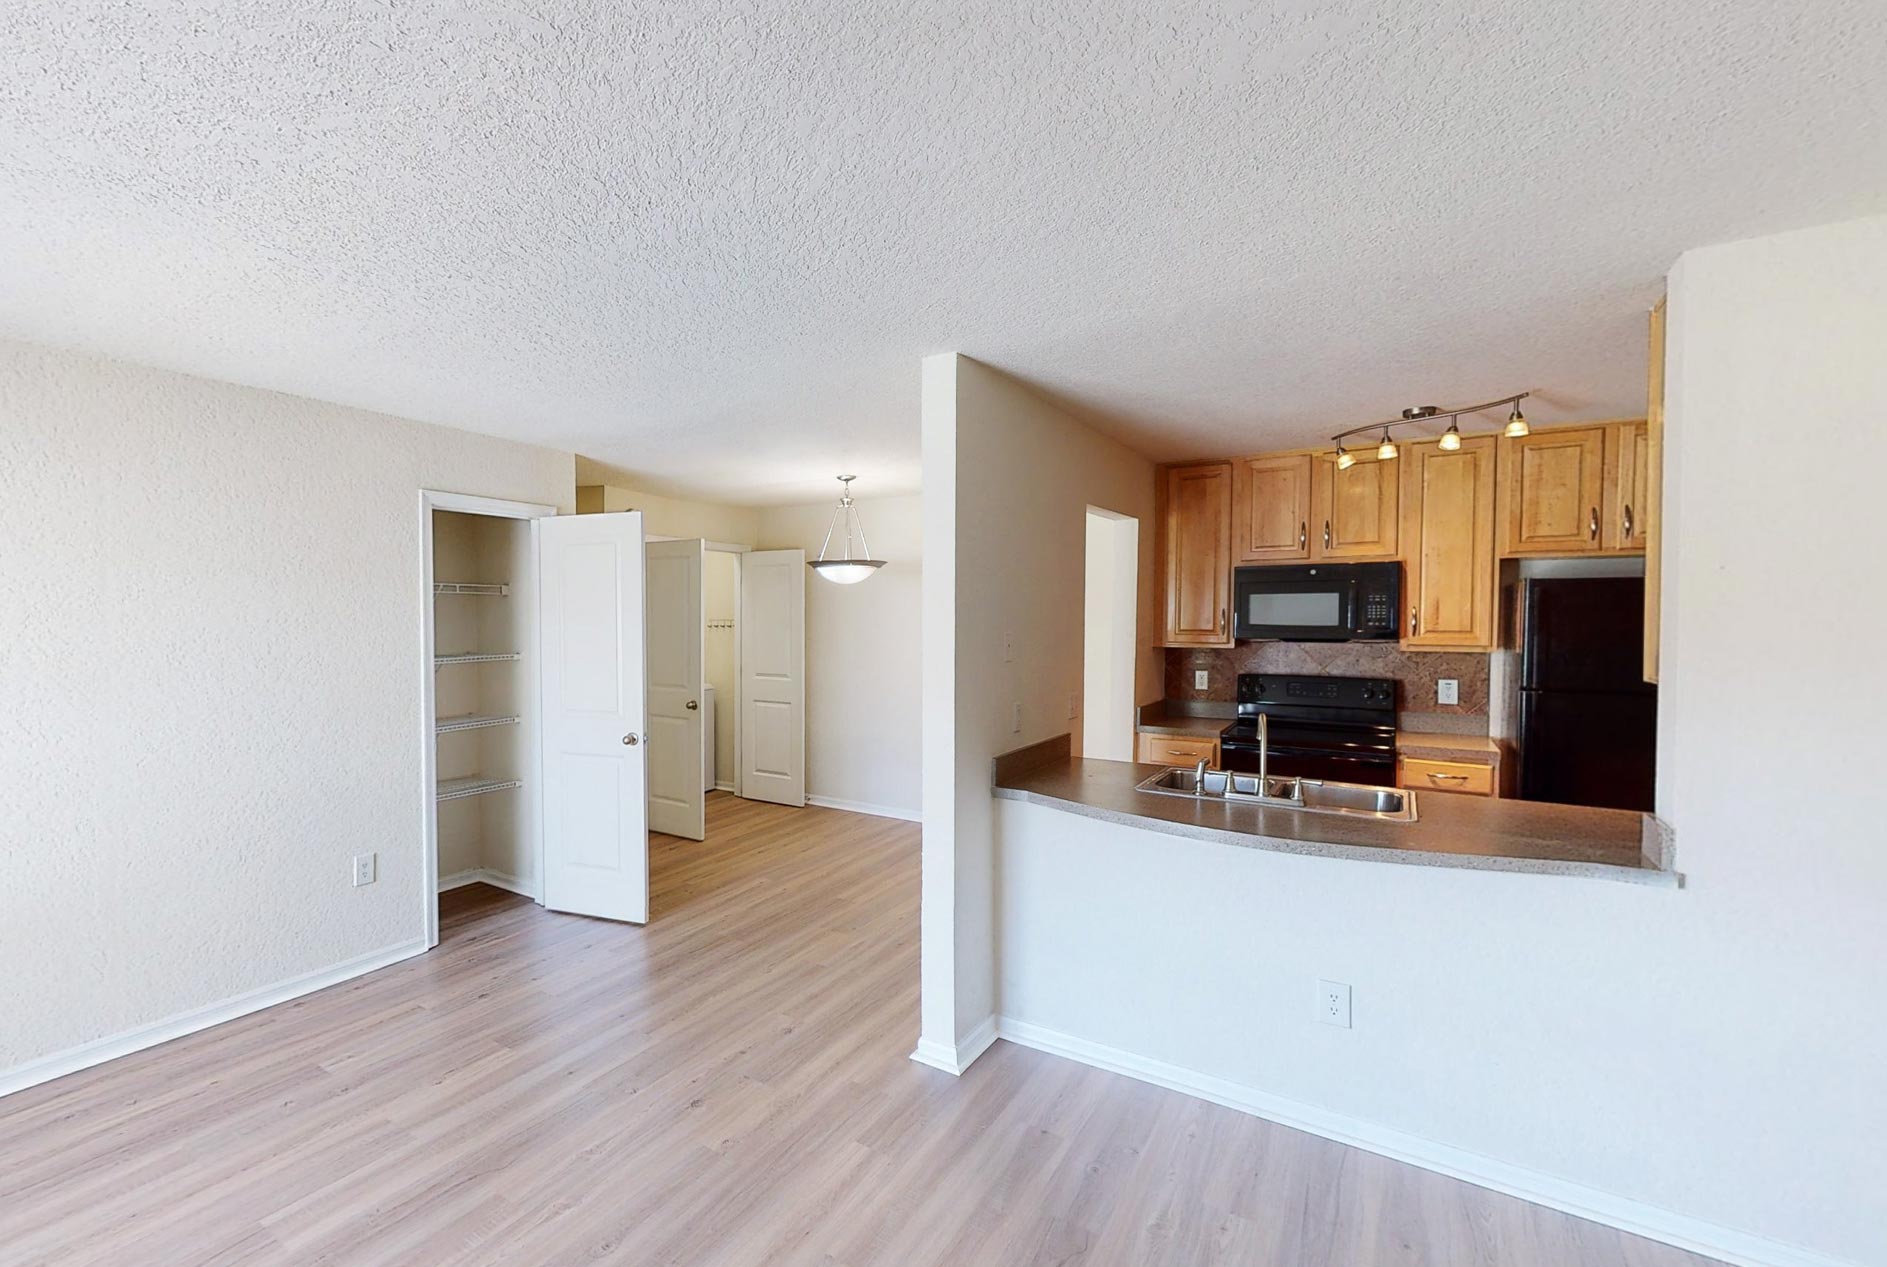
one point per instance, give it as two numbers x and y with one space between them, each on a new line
677 768
596 837
772 735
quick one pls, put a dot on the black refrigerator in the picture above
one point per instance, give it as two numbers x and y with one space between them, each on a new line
1588 721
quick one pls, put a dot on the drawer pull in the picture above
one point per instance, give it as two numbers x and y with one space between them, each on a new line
1447 778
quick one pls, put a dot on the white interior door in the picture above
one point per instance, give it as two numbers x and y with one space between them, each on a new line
772 732
596 838
677 769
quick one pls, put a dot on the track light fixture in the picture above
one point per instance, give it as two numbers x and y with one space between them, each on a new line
1450 441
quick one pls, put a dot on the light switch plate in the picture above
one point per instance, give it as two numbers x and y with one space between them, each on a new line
1201 679
1448 690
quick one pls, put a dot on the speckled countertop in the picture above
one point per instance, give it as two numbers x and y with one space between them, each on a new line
1450 831
1436 746
1161 723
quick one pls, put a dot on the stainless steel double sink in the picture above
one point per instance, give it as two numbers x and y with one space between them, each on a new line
1313 796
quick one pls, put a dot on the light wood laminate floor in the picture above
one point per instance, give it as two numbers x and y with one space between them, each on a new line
730 1085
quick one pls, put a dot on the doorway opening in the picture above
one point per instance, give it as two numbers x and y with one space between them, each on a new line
1110 613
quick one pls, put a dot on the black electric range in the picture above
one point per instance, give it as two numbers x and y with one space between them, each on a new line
1338 728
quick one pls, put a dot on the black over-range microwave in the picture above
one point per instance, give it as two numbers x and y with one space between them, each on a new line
1320 602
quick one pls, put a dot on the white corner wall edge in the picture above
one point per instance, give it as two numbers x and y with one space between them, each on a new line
865 807
98 1051
1739 1248
485 875
955 1061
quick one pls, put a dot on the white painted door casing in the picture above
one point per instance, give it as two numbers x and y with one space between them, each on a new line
676 762
772 733
590 639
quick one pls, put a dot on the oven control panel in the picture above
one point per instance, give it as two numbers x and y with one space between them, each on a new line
1317 692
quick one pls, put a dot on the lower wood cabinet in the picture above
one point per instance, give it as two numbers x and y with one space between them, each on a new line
1176 750
1446 776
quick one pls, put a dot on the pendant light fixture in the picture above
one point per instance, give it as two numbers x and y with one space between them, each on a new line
1517 423
846 570
1451 438
1345 458
1386 451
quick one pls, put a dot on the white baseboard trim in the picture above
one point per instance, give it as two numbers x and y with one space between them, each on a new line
1699 1237
485 875
99 1050
864 807
725 787
954 1060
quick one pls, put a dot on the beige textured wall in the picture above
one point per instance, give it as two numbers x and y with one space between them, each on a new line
210 696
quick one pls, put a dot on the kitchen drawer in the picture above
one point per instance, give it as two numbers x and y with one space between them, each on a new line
1448 776
1177 750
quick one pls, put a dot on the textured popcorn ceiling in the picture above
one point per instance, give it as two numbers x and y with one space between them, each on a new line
710 240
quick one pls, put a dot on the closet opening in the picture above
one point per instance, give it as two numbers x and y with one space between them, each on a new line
481 743
720 667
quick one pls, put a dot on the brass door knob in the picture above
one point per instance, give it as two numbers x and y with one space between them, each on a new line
692 705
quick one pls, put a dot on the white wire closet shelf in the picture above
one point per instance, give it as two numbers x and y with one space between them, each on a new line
474 657
470 587
473 721
476 785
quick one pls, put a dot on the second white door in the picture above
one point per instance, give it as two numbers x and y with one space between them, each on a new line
677 801
772 728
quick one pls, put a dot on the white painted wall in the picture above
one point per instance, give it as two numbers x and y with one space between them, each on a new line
210 693
863 696
1705 1062
611 488
1111 636
1008 481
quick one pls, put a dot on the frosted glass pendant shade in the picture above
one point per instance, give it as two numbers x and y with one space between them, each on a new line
846 569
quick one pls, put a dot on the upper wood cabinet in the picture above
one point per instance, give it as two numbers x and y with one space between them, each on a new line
1552 487
1353 512
1196 522
1271 509
1450 576
1627 481
1653 494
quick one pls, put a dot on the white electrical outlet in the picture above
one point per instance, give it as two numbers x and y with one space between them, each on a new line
1448 690
1015 720
1074 705
1008 647
1201 678
1333 1003
366 868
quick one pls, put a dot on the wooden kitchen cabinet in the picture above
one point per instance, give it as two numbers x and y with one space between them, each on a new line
1469 778
1176 750
1654 490
1449 569
1552 489
1271 509
1353 513
1627 481
1196 554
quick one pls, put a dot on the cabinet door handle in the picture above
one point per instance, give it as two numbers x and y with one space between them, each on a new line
1222 622
1303 533
1592 524
1415 622
1628 521
1326 534
1447 778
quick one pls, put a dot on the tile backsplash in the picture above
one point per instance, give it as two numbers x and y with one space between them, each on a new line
1415 671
